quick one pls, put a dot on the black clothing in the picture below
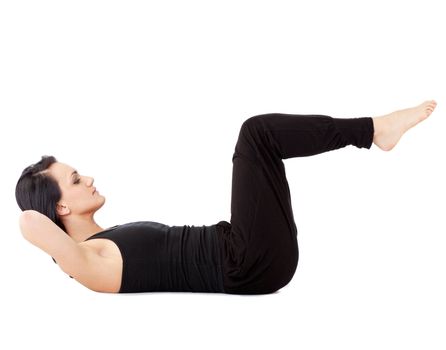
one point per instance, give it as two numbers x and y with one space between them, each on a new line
257 252
260 251
161 258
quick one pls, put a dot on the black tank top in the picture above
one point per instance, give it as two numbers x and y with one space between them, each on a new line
157 257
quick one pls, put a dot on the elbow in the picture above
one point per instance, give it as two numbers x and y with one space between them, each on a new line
27 215
27 221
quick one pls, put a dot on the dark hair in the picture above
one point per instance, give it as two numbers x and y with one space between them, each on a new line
38 190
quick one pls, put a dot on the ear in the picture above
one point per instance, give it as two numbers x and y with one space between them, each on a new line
62 209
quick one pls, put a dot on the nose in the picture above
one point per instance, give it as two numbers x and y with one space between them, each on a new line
90 181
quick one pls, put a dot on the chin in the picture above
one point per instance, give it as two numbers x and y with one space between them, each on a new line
101 202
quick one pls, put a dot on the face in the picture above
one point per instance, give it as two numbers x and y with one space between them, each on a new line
78 193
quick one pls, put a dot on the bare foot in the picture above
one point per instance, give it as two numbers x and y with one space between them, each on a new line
390 127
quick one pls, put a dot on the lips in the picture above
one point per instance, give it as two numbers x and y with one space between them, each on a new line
94 190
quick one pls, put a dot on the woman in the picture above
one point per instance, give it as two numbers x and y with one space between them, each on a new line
256 253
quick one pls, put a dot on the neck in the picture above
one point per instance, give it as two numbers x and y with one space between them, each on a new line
81 227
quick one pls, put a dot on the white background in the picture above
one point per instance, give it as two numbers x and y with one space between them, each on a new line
148 98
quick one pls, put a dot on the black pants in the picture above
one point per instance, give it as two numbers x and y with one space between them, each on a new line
259 245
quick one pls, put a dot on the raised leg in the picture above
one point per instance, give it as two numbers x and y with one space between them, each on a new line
260 244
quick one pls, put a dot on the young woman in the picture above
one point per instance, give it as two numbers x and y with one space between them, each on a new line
256 253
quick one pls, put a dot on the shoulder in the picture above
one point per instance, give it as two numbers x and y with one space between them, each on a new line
102 272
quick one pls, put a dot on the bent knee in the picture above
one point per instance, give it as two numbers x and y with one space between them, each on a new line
251 124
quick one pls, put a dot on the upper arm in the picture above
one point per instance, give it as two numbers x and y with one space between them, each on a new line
39 230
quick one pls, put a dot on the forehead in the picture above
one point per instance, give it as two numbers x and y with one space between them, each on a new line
60 171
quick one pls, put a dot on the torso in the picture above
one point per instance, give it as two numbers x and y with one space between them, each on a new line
179 258
105 263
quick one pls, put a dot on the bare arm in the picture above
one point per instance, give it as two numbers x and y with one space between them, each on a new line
46 235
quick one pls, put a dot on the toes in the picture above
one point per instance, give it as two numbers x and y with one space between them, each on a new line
426 104
432 104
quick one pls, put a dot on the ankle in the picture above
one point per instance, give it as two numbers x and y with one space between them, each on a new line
378 126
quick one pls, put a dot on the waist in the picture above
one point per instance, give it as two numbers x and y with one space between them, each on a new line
185 259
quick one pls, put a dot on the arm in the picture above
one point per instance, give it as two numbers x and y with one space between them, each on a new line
46 235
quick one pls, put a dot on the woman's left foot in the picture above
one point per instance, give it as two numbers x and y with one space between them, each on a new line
389 128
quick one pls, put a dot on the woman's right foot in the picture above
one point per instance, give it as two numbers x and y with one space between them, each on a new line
390 127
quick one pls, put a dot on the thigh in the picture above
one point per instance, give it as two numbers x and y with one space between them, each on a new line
261 250
261 212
